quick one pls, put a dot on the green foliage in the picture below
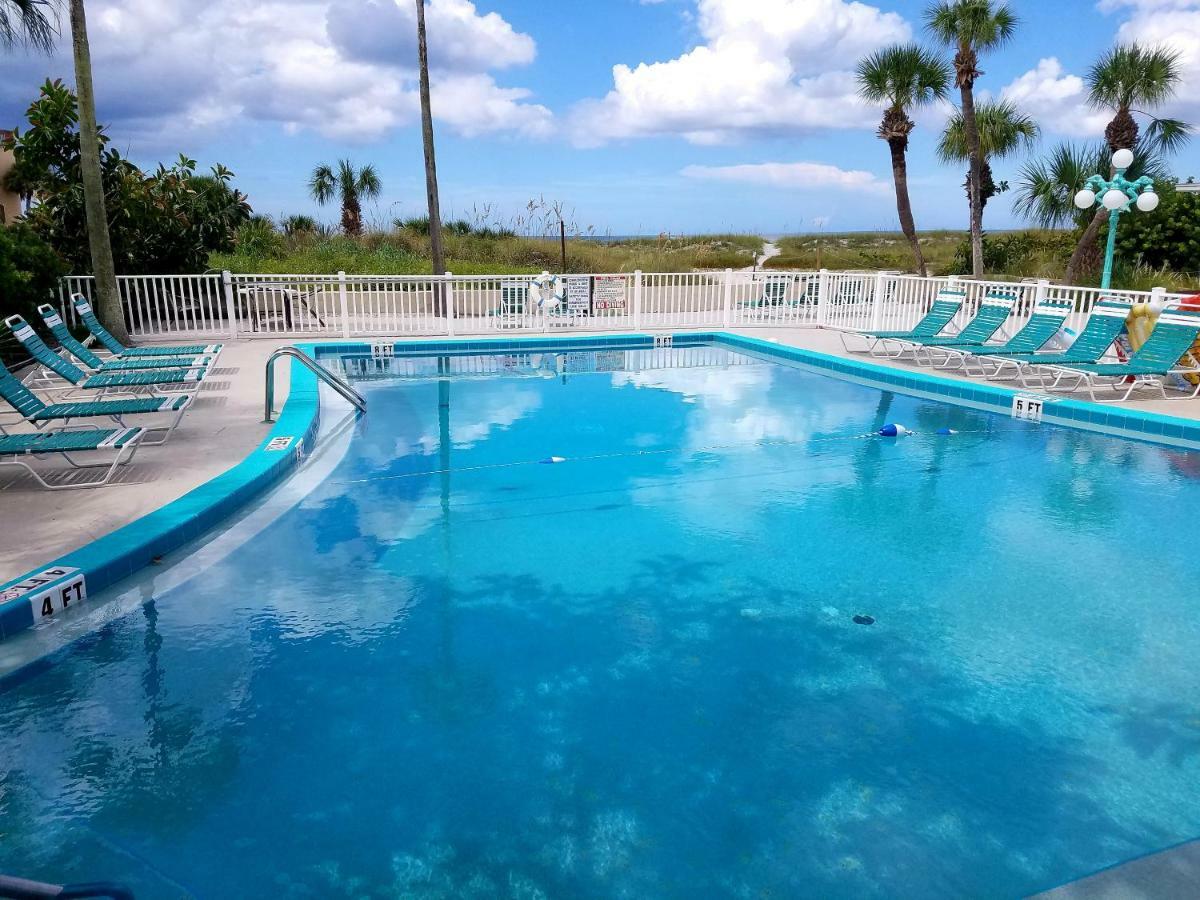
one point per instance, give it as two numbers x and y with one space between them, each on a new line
299 224
415 224
25 23
1016 254
903 76
485 250
972 24
163 223
29 271
1168 238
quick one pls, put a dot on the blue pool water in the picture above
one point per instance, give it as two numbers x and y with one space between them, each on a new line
445 669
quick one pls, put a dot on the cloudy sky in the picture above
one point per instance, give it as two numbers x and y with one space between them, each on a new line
640 115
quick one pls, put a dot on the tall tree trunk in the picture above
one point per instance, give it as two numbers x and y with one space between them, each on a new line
431 185
971 130
351 216
903 203
108 304
1085 251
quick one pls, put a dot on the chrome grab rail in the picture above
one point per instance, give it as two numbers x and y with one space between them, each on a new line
342 387
24 889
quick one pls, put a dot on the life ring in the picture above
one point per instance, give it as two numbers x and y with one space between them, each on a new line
546 291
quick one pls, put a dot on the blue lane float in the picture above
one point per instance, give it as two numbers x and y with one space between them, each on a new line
946 431
551 460
893 429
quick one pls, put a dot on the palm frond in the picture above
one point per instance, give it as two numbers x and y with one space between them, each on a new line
322 185
977 24
1129 74
28 23
1166 136
903 76
1003 130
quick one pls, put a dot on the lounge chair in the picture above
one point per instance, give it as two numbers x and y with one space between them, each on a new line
114 364
945 307
16 449
989 319
774 296
1170 342
156 380
1104 326
116 348
39 414
1045 322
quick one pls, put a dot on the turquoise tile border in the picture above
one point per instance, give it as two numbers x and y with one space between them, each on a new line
115 556
108 559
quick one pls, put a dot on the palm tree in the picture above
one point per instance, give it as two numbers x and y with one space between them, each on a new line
1125 77
100 247
1046 187
902 77
971 27
1003 129
25 23
431 185
350 186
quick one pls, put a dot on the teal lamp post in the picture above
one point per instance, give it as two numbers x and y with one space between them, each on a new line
1115 195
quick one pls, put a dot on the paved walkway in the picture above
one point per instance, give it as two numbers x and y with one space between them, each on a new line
224 425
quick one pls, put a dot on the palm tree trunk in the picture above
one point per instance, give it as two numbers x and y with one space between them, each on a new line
351 216
108 298
903 203
971 130
431 185
1086 248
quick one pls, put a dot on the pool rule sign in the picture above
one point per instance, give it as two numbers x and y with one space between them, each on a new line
608 292
579 294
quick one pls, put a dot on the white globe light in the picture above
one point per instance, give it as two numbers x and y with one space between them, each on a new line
1148 201
1122 159
1114 199
1085 199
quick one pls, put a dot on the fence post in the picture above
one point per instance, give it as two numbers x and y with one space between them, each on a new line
637 300
823 297
343 303
1158 298
1041 291
727 300
877 302
449 295
230 304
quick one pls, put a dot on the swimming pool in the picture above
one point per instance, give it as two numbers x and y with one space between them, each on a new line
434 664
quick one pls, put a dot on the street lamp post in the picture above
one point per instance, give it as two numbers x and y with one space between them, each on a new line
1116 195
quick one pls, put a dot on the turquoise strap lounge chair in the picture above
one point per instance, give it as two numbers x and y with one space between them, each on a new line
1104 326
945 307
1045 321
1171 341
115 347
40 414
993 312
88 357
122 443
180 379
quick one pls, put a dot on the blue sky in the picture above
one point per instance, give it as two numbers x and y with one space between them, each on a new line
721 114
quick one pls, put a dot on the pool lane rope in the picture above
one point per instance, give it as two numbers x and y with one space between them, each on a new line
596 457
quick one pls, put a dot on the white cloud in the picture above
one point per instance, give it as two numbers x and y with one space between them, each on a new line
795 175
772 66
343 68
1057 100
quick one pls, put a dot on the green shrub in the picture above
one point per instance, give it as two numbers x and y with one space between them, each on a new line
1168 238
29 273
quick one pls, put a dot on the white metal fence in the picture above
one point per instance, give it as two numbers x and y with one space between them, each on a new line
222 305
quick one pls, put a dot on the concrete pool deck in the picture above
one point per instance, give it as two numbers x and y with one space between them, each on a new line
224 425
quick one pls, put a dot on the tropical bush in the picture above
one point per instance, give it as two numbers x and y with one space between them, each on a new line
29 271
168 221
1168 238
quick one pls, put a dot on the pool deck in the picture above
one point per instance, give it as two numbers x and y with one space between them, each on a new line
1171 874
224 425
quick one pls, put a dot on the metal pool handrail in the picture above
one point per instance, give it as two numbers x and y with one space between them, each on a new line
24 889
338 384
